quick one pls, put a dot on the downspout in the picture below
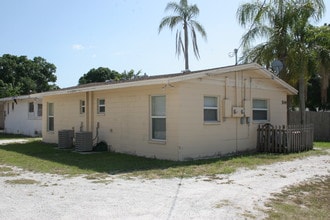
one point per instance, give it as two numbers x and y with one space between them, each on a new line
226 98
226 84
87 109
236 119
244 90
90 115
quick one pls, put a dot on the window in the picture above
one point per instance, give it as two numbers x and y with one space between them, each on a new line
100 106
211 109
260 110
82 106
31 107
7 108
50 116
158 117
39 113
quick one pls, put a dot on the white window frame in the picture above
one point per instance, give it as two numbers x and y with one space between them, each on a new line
39 110
99 106
82 106
217 108
152 117
50 117
31 112
260 109
31 107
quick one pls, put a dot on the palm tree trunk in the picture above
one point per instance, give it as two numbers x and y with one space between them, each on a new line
186 59
302 98
324 86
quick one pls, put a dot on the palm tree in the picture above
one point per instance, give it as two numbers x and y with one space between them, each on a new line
128 75
184 15
282 25
320 41
301 55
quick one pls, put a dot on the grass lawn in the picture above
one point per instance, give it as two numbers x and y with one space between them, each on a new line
47 158
309 200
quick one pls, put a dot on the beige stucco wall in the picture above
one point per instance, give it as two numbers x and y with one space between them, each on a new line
125 125
66 115
199 139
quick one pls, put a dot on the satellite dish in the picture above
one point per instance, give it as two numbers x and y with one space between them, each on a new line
277 66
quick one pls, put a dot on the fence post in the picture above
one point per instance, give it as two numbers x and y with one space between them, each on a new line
289 137
258 139
284 140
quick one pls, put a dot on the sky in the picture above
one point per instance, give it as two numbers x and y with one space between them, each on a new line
78 35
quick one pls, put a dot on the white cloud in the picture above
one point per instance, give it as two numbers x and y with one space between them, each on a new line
78 47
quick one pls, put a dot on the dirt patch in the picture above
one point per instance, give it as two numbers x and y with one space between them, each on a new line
241 195
11 141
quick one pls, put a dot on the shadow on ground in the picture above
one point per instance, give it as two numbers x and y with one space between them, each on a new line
42 157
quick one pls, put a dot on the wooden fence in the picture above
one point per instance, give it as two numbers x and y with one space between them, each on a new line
321 121
281 139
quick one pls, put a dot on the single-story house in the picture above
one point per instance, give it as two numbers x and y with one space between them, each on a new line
180 116
22 114
2 116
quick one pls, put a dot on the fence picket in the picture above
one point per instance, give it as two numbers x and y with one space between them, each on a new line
281 139
321 121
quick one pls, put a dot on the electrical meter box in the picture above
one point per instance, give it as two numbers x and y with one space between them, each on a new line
238 112
227 108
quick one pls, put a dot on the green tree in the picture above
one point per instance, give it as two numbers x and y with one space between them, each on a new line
319 40
282 24
184 15
43 74
318 86
300 52
100 74
103 74
20 75
127 75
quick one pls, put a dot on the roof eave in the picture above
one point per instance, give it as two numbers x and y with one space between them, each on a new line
21 97
165 80
110 86
291 90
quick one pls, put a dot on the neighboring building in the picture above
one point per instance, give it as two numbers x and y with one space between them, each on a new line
22 114
178 116
2 116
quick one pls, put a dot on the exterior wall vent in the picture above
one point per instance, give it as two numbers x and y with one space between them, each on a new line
84 141
65 139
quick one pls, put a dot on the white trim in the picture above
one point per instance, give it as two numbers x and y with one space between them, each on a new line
101 105
151 139
218 107
261 109
82 106
50 116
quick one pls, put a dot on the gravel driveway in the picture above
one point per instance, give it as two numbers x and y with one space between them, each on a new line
233 196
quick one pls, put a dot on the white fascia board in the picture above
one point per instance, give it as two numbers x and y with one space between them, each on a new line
289 88
31 96
213 72
110 86
168 80
264 71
